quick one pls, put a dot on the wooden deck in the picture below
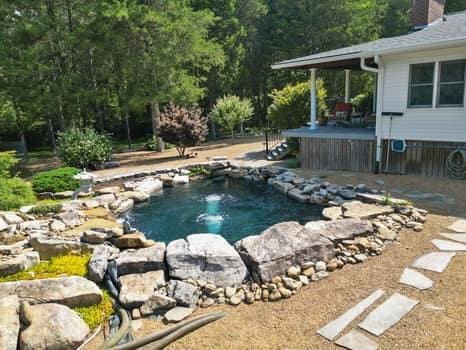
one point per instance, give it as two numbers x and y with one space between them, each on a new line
332 132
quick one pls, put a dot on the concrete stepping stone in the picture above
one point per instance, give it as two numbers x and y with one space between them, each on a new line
449 246
355 340
388 314
331 330
459 226
437 261
459 237
415 279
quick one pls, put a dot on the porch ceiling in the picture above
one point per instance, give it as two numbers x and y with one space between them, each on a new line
332 132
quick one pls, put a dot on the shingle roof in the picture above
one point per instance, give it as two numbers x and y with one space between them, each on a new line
452 28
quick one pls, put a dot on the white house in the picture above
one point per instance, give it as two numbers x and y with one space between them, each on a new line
420 98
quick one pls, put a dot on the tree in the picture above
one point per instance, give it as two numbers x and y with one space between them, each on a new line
183 127
290 106
230 111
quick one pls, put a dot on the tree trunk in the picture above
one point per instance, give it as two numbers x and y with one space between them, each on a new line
128 130
53 143
25 146
155 116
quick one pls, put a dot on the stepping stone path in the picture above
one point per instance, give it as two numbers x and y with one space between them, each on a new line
459 226
397 306
436 261
459 237
331 330
388 314
449 246
415 279
355 340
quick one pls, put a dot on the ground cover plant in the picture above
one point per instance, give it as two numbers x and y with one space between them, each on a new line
57 180
68 265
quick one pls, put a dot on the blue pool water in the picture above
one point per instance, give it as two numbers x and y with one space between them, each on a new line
233 208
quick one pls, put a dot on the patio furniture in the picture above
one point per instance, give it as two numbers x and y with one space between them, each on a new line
342 114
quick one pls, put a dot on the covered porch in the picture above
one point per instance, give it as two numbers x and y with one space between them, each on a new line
347 145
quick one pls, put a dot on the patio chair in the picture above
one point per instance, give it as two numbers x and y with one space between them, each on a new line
342 114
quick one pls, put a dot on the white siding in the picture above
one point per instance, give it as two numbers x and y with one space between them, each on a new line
424 124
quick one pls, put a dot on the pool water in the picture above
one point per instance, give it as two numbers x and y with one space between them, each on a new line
231 207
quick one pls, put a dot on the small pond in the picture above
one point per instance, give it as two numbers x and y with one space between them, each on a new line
233 208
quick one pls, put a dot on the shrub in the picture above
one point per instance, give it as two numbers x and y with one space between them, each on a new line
57 180
69 265
230 111
14 193
83 148
182 127
291 105
200 171
7 161
43 209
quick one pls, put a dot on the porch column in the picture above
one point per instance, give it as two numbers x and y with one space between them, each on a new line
313 99
347 85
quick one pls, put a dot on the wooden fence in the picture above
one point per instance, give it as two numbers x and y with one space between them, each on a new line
421 157
338 154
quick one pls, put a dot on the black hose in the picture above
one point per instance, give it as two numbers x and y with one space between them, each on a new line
160 344
120 333
184 327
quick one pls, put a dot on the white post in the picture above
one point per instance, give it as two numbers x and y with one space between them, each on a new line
313 99
347 85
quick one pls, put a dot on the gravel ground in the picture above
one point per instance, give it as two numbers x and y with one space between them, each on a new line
437 322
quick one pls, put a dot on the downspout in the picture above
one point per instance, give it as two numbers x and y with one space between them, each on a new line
379 71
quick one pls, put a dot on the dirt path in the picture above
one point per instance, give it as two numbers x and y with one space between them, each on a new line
250 149
438 322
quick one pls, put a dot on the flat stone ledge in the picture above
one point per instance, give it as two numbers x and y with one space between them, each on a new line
415 279
355 340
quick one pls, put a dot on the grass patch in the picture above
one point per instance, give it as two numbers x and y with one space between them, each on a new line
200 171
69 265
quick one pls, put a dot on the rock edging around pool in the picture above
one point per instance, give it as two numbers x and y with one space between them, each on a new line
149 277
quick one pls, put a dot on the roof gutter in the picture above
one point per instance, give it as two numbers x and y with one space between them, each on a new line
366 68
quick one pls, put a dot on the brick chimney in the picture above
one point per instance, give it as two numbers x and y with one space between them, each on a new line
425 12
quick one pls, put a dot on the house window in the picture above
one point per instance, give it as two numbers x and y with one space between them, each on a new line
421 86
451 84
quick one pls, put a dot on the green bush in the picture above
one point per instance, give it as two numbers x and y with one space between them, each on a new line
83 148
57 180
7 161
43 209
290 106
14 193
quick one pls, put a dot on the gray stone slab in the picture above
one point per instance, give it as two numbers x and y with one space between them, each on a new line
449 246
437 261
459 226
388 314
415 279
459 237
355 340
331 330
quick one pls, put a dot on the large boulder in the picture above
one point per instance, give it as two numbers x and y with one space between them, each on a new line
185 294
359 210
136 196
3 225
137 288
9 322
155 303
338 230
71 218
281 246
18 263
11 218
50 247
99 261
206 256
53 327
142 260
72 291
132 240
